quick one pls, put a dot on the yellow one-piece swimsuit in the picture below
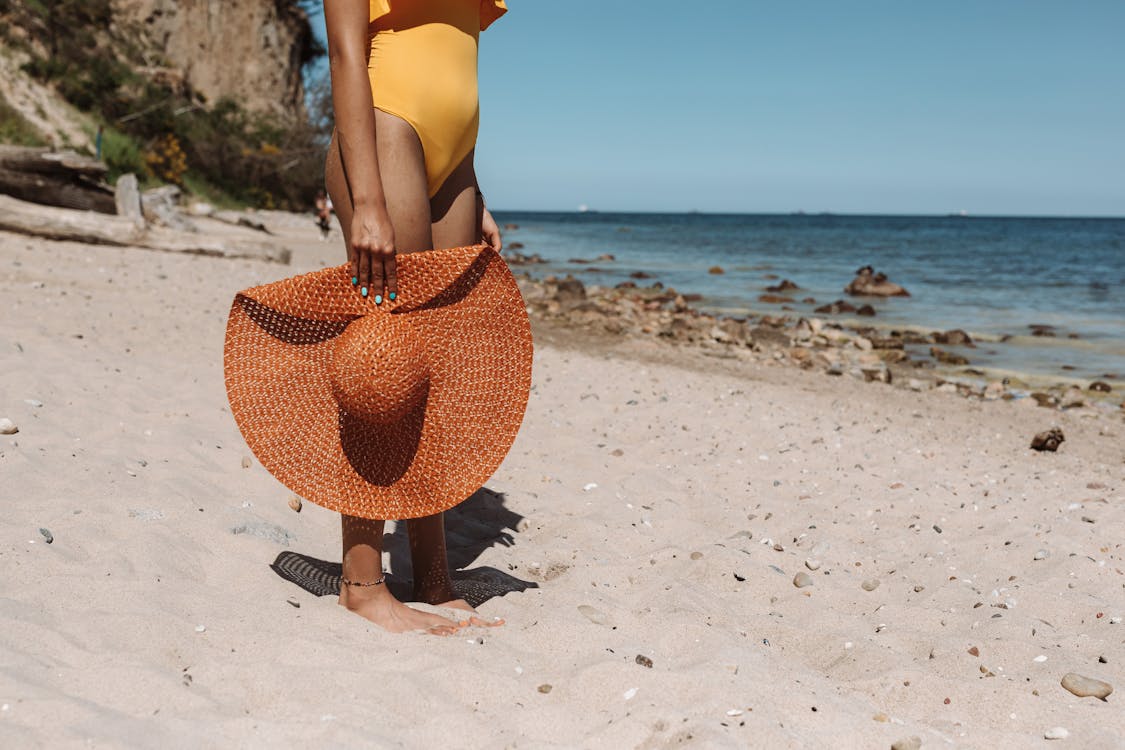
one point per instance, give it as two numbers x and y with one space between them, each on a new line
423 68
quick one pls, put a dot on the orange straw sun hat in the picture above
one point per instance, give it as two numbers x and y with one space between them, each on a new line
398 410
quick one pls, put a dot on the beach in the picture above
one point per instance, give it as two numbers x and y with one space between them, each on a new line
699 543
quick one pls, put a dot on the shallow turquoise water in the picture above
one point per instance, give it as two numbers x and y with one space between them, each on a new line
993 277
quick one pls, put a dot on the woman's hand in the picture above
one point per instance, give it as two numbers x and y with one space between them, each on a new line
372 254
489 230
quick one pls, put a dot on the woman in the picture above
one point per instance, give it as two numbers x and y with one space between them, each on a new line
400 173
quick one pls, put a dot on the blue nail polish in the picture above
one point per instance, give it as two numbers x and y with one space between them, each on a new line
378 299
363 291
391 296
355 280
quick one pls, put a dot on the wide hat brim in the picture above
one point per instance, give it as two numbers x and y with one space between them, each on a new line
468 318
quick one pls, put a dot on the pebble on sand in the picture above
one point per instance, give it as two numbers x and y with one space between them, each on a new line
8 427
907 743
1048 440
544 688
47 535
1041 554
1057 733
802 579
812 564
593 614
295 503
246 462
644 661
870 584
1086 687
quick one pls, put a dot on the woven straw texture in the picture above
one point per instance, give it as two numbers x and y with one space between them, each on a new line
388 411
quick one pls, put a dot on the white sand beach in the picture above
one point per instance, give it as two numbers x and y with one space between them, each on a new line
645 530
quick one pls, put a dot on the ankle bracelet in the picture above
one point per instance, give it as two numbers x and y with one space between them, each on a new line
346 582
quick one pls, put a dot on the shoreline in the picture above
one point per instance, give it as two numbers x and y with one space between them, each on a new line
831 344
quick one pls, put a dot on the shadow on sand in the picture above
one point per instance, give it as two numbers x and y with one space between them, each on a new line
480 522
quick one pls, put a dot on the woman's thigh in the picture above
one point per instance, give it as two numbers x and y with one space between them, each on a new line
402 170
454 210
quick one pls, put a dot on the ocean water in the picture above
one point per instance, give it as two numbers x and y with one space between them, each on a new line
992 277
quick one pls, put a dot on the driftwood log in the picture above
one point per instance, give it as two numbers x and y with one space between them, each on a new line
55 178
87 226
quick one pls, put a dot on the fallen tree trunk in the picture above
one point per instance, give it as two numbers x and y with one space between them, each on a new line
86 226
55 178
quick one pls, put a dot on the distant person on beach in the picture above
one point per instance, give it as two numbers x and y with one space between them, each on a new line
400 173
324 209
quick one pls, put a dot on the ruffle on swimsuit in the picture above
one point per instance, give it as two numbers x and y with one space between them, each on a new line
490 10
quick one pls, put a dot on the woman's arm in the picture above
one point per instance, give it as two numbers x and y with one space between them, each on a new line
489 230
372 235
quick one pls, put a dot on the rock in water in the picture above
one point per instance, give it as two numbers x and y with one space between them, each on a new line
802 579
8 427
907 743
1086 687
867 282
1048 441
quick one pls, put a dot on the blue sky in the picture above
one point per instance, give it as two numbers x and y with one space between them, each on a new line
861 106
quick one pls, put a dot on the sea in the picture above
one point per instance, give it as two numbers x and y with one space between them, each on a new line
997 278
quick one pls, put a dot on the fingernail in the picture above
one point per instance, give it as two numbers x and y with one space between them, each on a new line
392 296
378 299
355 280
363 291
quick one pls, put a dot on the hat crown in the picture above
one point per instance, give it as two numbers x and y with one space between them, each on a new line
378 370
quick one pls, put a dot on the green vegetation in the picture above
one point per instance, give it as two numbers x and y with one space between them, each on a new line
162 130
14 127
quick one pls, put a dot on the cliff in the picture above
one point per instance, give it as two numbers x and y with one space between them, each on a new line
251 51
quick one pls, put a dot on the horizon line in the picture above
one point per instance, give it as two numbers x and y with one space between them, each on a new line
853 214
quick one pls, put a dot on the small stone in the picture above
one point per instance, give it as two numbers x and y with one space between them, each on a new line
937 528
802 579
295 503
544 688
1057 733
919 589
8 427
812 564
870 584
644 661
696 555
1086 687
715 270
246 462
1041 554
629 694
38 404
974 651
1040 659
1048 440
200 628
907 743
589 486
593 614
881 718
735 712
47 535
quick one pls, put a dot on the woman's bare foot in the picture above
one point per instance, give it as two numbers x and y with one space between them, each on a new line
475 618
378 605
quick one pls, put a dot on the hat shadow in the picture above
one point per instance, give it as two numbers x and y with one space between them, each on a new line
482 521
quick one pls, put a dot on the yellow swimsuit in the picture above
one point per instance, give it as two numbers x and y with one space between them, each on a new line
423 68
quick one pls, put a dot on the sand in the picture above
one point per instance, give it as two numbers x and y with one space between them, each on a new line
646 530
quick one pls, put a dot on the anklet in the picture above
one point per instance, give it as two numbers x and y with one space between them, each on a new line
346 582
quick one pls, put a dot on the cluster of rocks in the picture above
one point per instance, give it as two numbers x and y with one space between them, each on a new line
809 343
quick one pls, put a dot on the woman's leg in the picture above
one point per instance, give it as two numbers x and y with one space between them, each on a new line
404 182
455 214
